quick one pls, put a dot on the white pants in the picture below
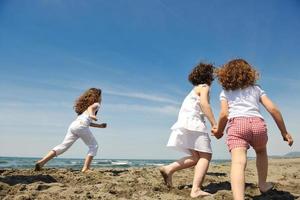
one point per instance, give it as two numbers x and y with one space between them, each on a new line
75 131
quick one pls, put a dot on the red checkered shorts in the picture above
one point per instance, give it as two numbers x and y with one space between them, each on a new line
246 131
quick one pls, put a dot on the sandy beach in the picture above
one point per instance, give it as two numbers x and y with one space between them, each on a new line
144 183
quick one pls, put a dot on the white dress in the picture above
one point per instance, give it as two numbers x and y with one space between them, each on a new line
190 131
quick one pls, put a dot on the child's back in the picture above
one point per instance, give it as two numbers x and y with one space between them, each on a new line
191 115
243 102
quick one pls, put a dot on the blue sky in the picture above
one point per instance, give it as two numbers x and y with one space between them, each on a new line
139 53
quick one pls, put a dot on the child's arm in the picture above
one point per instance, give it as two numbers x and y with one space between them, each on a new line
103 125
276 114
92 111
205 105
223 118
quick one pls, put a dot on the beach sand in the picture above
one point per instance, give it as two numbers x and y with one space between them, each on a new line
144 183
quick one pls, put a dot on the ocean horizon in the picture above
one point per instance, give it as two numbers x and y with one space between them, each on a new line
77 163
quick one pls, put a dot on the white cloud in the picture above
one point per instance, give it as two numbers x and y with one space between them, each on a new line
96 66
168 110
118 90
21 104
143 96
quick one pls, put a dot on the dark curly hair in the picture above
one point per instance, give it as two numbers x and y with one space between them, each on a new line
237 74
89 97
202 74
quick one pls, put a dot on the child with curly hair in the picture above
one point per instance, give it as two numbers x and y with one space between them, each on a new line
246 127
86 106
190 134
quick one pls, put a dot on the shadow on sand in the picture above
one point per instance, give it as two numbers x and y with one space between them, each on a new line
216 174
20 179
215 187
116 172
274 194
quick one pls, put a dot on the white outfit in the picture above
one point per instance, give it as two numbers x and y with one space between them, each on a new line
190 131
243 102
79 129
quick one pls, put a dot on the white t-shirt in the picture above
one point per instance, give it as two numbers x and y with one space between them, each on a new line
85 118
243 102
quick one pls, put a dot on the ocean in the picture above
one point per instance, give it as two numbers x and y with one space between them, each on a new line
26 163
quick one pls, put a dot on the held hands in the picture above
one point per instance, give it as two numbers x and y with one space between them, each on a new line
287 137
215 132
214 129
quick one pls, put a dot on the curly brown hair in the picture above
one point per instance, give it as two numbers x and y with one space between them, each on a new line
88 98
202 74
237 74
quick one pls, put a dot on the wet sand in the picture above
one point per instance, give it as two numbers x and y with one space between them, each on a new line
144 183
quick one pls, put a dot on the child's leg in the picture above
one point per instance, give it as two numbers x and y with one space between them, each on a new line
91 142
186 162
39 164
259 143
200 171
87 163
262 169
59 149
238 165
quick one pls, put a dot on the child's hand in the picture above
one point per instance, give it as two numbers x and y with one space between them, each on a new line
214 130
287 137
216 133
103 125
93 117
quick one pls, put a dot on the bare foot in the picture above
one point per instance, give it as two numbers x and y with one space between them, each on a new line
199 193
86 170
266 187
167 177
38 166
